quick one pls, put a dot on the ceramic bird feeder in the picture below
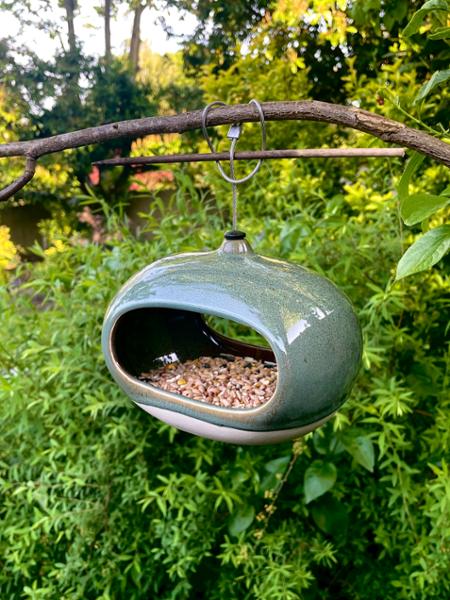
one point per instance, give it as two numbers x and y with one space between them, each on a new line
313 333
158 318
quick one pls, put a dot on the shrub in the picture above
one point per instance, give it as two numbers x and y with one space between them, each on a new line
100 501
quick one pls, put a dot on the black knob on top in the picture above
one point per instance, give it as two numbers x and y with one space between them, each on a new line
234 235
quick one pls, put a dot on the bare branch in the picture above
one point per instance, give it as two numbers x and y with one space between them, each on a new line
20 182
388 130
252 155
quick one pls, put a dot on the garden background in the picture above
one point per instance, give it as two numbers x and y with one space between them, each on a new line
97 499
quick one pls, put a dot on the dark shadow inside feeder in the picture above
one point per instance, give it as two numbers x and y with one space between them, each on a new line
154 345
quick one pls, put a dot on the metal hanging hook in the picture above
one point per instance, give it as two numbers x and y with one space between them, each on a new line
234 134
211 147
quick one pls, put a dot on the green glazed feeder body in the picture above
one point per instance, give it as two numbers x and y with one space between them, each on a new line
309 324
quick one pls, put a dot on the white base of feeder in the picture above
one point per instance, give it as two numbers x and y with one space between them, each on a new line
228 434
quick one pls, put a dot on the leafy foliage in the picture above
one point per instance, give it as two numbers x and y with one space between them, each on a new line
320 477
100 501
8 252
425 252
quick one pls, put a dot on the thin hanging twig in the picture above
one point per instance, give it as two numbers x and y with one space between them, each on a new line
388 130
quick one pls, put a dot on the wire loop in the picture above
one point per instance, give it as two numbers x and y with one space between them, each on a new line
234 134
227 178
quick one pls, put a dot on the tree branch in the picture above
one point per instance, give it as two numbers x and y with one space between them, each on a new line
20 182
388 130
251 155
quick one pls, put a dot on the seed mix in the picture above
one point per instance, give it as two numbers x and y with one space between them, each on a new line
225 380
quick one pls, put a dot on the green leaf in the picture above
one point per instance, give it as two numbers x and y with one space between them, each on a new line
319 478
441 33
419 16
330 516
413 164
278 464
336 446
238 475
396 13
360 11
275 468
362 451
241 520
269 482
436 79
417 207
425 252
320 441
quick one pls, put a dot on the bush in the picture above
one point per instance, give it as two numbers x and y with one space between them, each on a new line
100 501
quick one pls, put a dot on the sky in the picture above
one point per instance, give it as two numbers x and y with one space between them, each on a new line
89 29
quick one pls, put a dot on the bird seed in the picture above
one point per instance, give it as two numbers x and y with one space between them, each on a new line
225 380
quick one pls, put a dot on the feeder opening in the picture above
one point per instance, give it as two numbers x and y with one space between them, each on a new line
198 356
236 331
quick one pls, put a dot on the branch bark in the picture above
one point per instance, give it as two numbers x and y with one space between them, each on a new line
387 130
107 23
252 155
70 6
135 43
20 182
